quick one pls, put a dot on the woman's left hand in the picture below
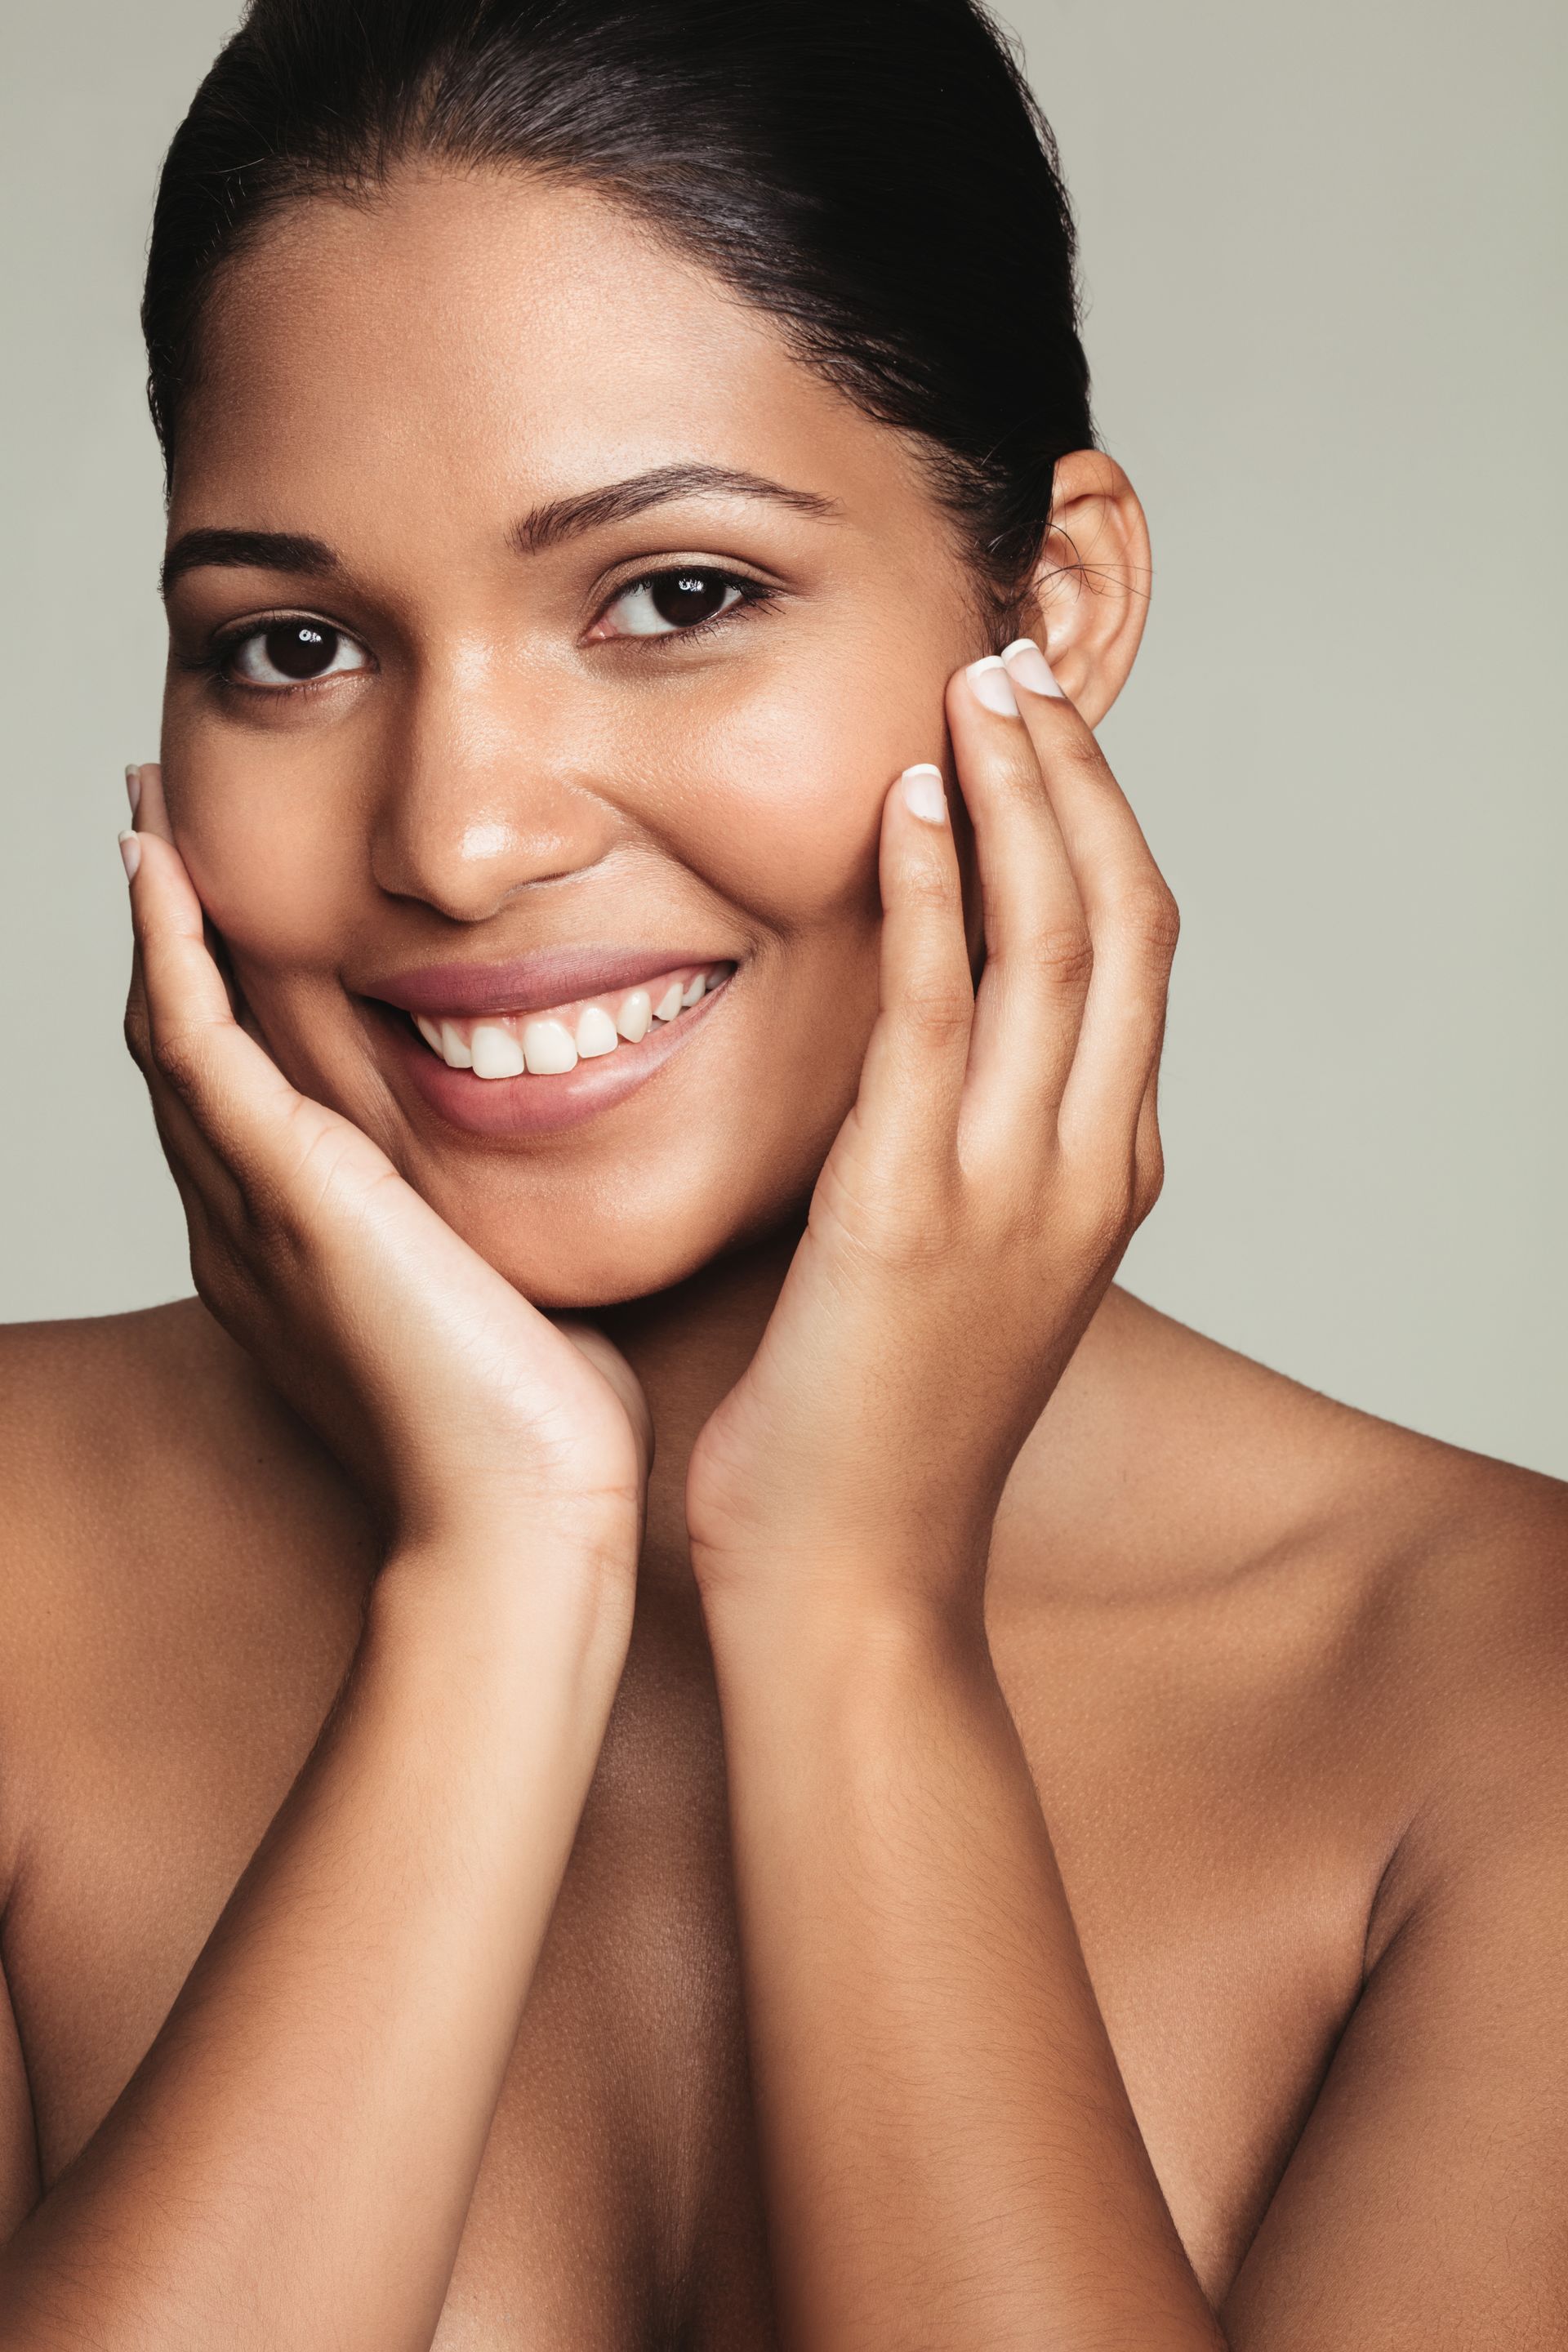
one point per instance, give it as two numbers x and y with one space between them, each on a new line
1002 1149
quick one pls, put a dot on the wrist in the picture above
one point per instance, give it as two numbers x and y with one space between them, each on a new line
832 1613
561 1595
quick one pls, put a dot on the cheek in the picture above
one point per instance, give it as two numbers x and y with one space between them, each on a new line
273 855
784 807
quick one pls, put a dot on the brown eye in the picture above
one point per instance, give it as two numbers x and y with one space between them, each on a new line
295 652
667 601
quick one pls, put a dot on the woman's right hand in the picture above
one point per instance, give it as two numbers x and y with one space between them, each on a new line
458 1406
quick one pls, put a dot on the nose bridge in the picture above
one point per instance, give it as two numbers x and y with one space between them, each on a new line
477 798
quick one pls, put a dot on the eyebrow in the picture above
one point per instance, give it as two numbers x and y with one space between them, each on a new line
543 527
245 550
560 519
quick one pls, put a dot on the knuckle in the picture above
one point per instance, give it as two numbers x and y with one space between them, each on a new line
1151 1183
1107 1215
1150 915
932 886
937 1011
138 1034
179 1055
1064 955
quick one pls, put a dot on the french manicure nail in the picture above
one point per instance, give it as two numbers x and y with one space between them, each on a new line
992 688
133 787
923 793
1027 664
131 851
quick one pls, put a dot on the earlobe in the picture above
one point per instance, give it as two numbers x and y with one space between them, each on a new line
1090 596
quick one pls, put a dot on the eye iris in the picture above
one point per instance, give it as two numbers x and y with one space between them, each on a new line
300 648
684 597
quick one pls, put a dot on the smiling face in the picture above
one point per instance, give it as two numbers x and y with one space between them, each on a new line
451 732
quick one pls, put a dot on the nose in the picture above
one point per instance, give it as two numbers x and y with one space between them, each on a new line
483 794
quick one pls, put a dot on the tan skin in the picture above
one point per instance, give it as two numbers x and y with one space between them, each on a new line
1020 1827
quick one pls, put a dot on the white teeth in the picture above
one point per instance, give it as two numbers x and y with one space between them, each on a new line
548 1049
635 1016
497 1054
595 1032
550 1046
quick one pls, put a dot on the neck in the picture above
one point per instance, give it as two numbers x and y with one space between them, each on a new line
689 1345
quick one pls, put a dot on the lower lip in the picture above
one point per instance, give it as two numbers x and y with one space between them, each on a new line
539 1105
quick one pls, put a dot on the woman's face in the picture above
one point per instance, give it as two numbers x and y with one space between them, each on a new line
434 745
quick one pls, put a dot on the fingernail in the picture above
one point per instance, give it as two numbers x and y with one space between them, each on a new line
1028 665
133 787
923 793
131 851
992 688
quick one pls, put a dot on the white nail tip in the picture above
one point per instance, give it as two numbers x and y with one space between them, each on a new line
635 1016
1024 661
548 1049
669 1004
595 1032
497 1054
992 688
923 793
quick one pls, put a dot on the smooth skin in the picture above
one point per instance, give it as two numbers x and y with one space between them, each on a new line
874 1794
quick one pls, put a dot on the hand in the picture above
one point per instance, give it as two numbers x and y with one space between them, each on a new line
976 1203
457 1406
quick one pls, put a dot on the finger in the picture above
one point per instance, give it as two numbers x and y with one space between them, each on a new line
149 810
911 1081
181 1020
197 1168
1038 952
1131 914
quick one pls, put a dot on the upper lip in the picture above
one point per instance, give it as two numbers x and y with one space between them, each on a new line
528 983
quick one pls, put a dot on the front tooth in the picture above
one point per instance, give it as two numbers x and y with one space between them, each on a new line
669 1004
429 1031
548 1049
496 1052
454 1053
693 988
595 1032
635 1016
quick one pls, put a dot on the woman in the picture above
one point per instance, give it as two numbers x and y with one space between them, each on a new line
590 1758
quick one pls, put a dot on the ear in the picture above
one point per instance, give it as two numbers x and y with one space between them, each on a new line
1090 592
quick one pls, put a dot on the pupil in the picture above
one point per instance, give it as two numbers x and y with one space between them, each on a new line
300 648
683 597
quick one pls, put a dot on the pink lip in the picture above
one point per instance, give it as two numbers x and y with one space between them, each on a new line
542 1106
531 983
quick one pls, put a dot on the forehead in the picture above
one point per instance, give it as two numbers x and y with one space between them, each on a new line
476 341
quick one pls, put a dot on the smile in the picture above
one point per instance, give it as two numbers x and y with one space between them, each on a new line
548 1043
532 1047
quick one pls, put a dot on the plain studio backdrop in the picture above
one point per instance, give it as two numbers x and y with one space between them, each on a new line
1322 256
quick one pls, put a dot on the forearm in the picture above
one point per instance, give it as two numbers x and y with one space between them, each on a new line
292 2162
951 2158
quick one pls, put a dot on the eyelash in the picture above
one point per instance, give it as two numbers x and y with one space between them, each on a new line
755 595
221 648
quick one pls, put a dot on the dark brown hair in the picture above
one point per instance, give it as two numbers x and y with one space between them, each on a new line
875 174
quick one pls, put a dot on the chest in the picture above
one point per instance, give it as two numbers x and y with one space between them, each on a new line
619 2203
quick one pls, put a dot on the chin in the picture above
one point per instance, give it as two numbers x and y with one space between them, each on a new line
577 1260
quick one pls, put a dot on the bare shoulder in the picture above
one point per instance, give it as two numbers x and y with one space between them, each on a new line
119 1423
1425 1587
166 1526
75 1392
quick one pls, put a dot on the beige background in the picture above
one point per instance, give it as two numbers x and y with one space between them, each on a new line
1323 250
